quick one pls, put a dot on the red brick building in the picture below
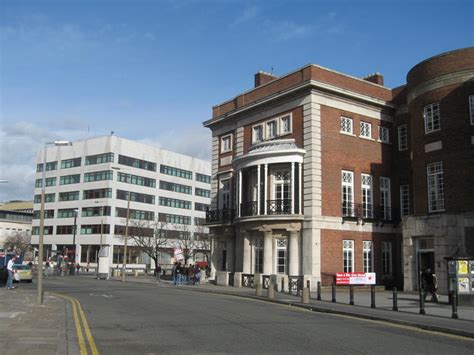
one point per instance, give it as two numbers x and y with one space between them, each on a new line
318 172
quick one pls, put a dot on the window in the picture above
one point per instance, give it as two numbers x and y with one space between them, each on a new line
64 230
168 170
47 214
100 158
347 181
258 255
348 255
385 201
281 255
69 196
47 198
432 118
170 186
97 193
365 130
136 180
281 193
404 200
98 176
285 125
435 187
48 230
199 222
471 108
257 134
346 125
226 143
271 129
366 187
48 182
202 192
70 179
172 202
203 178
174 218
224 194
135 214
95 228
136 197
367 255
49 166
402 137
200 206
387 258
70 163
384 134
95 211
67 213
137 163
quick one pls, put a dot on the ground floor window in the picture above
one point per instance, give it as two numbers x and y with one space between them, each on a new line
281 256
368 255
387 258
348 255
133 255
89 254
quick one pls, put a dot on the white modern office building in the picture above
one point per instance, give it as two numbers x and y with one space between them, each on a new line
87 185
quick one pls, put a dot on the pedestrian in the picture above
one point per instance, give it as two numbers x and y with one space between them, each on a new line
78 268
191 274
197 275
179 274
46 268
429 284
11 272
174 274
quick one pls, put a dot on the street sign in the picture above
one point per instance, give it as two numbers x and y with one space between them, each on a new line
178 254
355 278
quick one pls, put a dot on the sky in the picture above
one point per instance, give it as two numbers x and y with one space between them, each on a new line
151 70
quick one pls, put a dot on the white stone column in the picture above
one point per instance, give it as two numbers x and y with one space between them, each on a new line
300 196
258 189
294 255
267 252
214 256
292 194
246 253
265 181
240 193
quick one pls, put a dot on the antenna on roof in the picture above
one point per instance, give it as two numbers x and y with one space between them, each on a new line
271 72
111 133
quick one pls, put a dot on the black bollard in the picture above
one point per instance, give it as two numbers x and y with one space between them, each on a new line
319 291
454 303
351 295
422 301
333 292
395 299
308 284
372 296
282 285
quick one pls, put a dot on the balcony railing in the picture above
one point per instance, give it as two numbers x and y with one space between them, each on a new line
274 207
369 212
219 216
248 208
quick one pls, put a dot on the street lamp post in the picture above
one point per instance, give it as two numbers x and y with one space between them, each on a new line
101 235
41 231
124 261
74 238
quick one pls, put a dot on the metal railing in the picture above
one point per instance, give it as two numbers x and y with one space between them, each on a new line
265 281
369 212
248 280
219 216
295 284
279 206
248 208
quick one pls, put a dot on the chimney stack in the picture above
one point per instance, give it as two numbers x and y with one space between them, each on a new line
375 78
262 78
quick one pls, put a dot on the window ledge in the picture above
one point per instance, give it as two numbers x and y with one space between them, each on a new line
347 134
388 143
367 138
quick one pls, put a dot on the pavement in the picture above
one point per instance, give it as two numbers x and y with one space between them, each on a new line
43 329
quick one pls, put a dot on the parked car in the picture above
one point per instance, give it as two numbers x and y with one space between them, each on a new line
24 271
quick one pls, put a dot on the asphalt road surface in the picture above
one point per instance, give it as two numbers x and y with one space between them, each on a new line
128 318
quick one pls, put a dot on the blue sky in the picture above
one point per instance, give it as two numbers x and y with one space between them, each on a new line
152 70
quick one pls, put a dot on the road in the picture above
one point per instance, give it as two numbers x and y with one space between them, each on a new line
128 318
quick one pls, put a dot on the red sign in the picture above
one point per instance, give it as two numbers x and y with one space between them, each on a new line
355 278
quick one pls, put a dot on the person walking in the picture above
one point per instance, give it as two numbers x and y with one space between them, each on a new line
429 284
11 272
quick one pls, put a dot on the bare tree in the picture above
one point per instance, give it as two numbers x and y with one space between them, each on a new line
18 243
150 237
201 235
186 241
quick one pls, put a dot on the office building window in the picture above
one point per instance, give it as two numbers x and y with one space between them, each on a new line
347 188
226 143
69 196
174 218
348 255
365 130
384 134
203 178
402 137
202 192
136 197
136 180
97 193
47 214
435 176
48 230
432 118
67 213
172 202
70 163
47 198
170 186
385 200
63 230
100 159
49 166
346 125
169 170
98 176
366 187
96 211
70 179
95 228
135 214
201 206
367 251
137 163
405 200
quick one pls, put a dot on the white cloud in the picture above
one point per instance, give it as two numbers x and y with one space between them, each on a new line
287 30
248 14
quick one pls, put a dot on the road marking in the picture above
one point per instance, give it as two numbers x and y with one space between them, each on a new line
77 309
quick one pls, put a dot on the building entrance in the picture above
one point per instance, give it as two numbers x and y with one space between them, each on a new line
425 257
